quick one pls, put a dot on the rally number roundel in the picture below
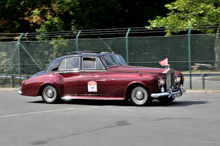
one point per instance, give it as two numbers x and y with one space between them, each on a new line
92 86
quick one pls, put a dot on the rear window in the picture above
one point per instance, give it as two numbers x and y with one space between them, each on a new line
53 66
70 64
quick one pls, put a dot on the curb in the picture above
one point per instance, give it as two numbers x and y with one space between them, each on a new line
202 92
9 89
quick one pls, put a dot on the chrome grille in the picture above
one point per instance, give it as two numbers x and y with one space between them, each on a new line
170 79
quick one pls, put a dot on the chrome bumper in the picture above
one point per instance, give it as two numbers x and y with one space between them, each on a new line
169 94
19 91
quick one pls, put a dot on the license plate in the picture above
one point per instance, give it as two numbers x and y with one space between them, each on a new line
176 95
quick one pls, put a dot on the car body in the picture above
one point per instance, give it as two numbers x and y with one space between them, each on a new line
102 75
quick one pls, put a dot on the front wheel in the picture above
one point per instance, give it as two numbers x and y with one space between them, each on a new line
50 94
140 96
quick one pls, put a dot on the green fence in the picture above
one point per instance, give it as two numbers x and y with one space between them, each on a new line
24 58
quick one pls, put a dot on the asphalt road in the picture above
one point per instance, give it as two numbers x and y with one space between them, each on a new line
192 120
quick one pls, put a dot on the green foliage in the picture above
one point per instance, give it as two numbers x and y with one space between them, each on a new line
184 13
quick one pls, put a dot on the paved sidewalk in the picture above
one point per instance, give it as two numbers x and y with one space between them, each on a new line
188 91
202 91
9 89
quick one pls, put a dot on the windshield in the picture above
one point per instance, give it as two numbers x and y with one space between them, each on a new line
113 60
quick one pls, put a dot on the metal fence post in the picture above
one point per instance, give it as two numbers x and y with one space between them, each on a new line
12 81
19 57
77 47
127 53
203 81
189 57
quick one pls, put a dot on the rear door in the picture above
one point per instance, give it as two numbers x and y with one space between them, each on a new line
69 70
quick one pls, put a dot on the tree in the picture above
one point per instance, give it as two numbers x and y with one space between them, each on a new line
13 15
184 13
96 14
18 16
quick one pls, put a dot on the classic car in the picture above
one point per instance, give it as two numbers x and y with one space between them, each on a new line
102 75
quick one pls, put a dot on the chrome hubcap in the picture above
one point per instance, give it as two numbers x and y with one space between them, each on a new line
139 95
50 93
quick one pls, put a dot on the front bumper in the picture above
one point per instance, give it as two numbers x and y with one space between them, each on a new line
169 94
19 91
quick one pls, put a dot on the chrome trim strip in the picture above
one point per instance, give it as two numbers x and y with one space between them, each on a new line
80 71
92 98
93 70
63 72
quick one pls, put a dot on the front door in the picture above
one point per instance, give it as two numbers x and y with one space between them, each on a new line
93 80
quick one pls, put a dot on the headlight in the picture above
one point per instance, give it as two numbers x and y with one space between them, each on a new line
161 82
178 79
162 89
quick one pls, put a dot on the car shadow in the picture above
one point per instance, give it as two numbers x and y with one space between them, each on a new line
178 103
154 103
98 102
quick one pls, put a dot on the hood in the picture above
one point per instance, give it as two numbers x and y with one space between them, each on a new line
140 69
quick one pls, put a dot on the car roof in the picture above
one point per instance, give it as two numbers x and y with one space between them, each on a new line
82 54
85 53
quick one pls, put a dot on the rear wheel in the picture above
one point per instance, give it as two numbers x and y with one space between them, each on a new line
50 94
140 96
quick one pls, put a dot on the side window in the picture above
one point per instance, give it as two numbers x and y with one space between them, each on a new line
53 66
92 63
70 63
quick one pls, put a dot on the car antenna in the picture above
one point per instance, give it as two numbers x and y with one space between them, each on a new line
107 45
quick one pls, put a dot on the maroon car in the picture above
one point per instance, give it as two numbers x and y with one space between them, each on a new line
102 75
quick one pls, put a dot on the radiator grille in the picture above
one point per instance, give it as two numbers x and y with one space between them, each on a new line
170 79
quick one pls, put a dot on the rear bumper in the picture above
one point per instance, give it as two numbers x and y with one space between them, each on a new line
19 91
169 94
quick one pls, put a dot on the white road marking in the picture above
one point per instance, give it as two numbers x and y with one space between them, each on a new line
48 111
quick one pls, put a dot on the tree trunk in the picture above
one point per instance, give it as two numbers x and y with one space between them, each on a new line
217 49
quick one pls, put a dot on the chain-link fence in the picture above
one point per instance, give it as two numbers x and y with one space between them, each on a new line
29 57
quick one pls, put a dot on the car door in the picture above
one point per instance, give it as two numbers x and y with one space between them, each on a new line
93 78
69 70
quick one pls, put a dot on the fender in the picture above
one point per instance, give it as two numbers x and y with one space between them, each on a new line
36 83
55 80
150 81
